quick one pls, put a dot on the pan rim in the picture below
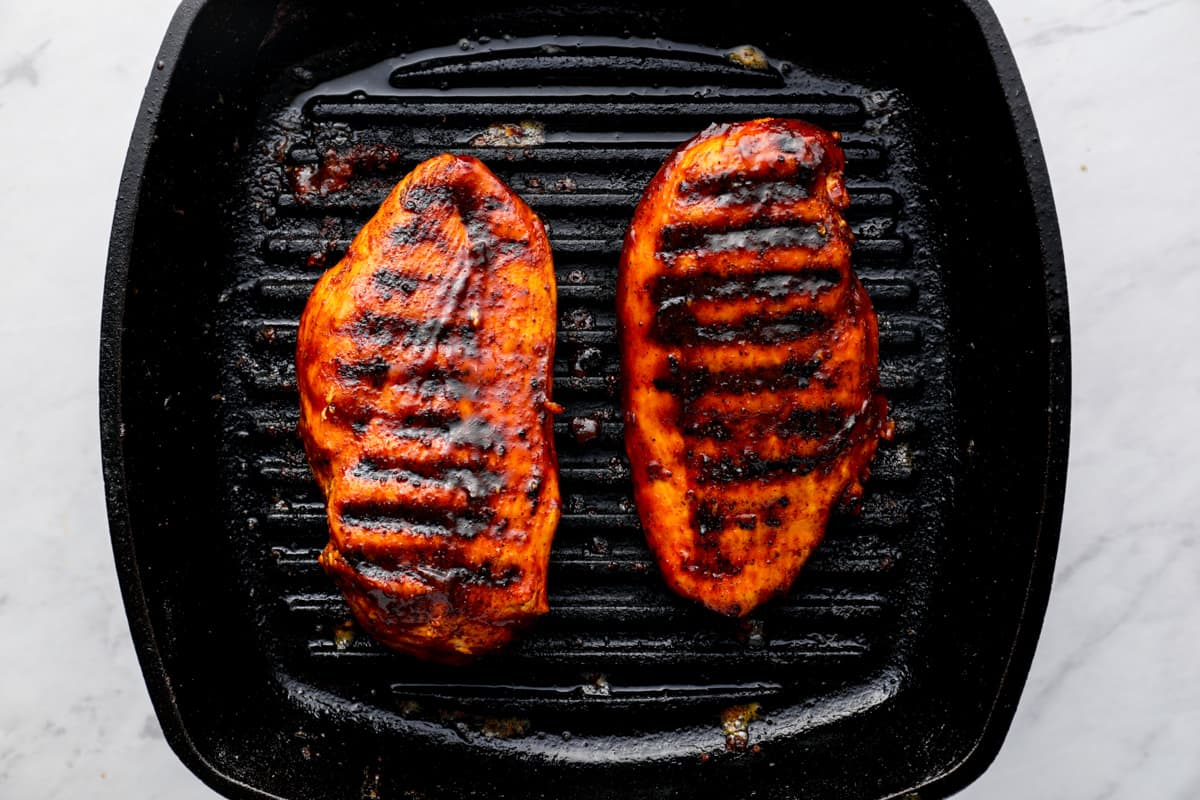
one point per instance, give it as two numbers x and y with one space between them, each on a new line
112 454
1045 548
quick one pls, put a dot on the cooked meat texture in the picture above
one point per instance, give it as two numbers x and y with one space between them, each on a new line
750 359
424 367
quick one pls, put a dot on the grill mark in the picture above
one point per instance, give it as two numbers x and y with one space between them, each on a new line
439 331
792 374
439 392
376 370
793 154
426 520
709 518
426 392
748 262
409 401
431 418
812 423
388 281
420 228
436 576
481 238
415 448
672 290
762 440
738 188
435 384
379 330
831 427
473 434
713 429
804 424
372 371
757 406
423 229
420 197
473 213
706 239
478 483
675 324
729 469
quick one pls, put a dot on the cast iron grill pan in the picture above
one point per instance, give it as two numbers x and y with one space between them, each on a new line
623 687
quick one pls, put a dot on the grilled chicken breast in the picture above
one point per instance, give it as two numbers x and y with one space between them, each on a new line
424 366
749 359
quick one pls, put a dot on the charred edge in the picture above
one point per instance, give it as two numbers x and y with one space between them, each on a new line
719 239
675 324
696 381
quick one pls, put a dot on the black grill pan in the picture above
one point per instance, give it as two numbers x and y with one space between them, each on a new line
269 134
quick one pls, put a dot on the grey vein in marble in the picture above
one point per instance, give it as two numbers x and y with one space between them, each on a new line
24 68
1063 30
1037 702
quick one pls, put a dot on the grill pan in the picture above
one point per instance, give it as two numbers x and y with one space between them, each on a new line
270 132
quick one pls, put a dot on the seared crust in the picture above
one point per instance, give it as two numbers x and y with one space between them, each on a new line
749 359
424 367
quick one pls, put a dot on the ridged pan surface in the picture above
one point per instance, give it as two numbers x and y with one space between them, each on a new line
577 126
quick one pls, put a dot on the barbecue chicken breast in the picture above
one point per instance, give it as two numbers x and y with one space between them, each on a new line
424 367
749 359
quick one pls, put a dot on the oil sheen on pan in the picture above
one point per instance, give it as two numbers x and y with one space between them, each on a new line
749 359
424 364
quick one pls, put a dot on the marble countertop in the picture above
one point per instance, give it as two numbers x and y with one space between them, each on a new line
1112 706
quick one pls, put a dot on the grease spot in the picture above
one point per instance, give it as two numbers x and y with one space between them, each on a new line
511 134
735 724
748 56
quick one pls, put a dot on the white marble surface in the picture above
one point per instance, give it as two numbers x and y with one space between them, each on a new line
1112 708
